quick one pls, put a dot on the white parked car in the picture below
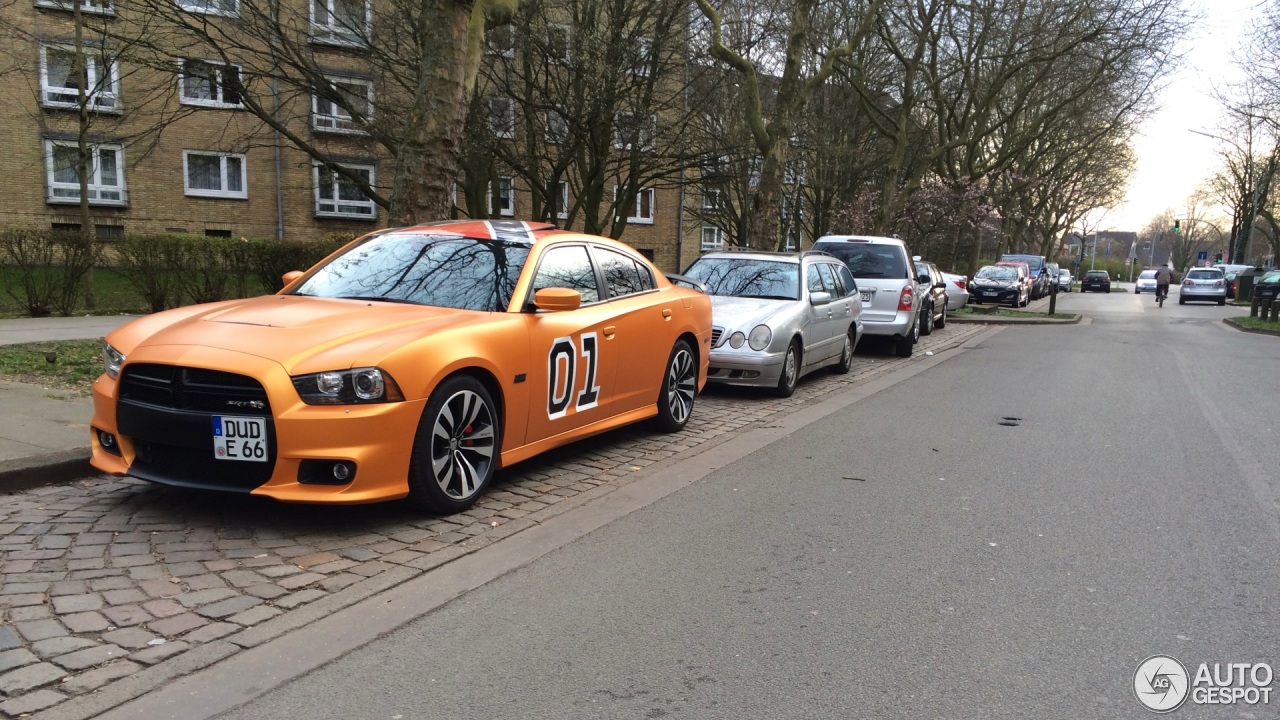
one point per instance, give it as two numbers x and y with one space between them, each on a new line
1146 282
957 291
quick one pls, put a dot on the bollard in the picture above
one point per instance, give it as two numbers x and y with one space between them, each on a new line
1264 308
1275 310
1253 308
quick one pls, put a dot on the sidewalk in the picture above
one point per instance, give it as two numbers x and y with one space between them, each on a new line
44 434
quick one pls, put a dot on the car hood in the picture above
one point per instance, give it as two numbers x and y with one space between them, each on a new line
993 283
743 313
295 331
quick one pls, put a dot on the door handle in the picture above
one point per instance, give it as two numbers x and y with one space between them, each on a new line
666 313
609 331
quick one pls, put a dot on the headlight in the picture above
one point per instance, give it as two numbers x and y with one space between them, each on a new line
347 387
114 359
736 340
760 337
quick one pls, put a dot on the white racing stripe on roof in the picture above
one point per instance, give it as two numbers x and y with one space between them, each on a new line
510 230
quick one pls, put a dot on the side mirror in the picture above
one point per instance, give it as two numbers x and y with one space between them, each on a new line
557 299
819 298
926 280
291 276
942 285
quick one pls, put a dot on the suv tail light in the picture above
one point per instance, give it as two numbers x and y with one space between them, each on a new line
904 300
1218 284
1186 283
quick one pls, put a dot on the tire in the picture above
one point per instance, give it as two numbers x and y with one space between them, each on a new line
455 451
903 346
679 389
1108 291
942 321
1182 301
846 353
915 330
789 377
926 321
1223 301
1135 291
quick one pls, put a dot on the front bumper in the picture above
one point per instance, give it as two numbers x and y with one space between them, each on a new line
994 295
745 367
1144 287
174 446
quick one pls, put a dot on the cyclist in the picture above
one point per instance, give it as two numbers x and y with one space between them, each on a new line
1164 276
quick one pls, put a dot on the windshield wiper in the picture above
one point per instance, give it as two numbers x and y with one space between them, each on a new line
376 298
769 297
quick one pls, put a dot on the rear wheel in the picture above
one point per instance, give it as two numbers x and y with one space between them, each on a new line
926 321
455 451
679 388
846 353
790 375
1222 301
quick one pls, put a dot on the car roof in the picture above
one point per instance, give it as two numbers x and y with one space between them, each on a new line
862 238
1097 272
757 255
518 231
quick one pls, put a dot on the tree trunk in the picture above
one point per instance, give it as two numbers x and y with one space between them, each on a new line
428 157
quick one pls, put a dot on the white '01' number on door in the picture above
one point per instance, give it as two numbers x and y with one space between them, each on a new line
562 374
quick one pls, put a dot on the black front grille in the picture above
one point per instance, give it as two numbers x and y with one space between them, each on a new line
715 336
168 413
182 388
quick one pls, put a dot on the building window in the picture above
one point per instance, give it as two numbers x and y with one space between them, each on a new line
634 130
712 238
59 69
341 22
211 232
562 200
557 127
641 56
501 41
108 233
209 84
502 197
211 7
711 201
793 173
502 116
790 219
106 173
214 175
337 196
348 103
559 44
643 210
98 7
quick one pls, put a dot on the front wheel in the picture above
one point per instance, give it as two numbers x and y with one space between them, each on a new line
926 321
790 375
679 388
942 321
455 451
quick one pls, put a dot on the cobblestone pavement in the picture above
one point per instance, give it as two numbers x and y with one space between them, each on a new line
107 580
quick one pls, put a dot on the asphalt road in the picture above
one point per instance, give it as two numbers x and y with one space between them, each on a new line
906 557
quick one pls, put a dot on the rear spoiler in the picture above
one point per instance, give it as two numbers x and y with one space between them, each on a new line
688 282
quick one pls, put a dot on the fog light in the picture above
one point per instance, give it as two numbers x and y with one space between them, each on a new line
341 471
108 442
326 472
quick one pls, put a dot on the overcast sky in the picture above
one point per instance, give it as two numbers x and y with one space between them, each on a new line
1171 160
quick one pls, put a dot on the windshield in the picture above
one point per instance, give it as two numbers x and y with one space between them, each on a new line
993 272
1147 275
1099 274
1032 261
748 277
1270 277
870 260
420 269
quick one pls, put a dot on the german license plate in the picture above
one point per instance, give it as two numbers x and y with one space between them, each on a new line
866 296
990 294
239 438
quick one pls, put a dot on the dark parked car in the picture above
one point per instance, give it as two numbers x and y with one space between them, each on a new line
1096 280
933 291
999 284
1267 287
1037 269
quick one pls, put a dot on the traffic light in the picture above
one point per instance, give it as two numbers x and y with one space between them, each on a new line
1217 259
1177 226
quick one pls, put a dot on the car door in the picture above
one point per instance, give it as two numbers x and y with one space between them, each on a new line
816 329
841 308
574 353
639 328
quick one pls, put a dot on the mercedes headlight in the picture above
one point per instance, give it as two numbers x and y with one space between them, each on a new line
736 340
760 337
357 386
113 359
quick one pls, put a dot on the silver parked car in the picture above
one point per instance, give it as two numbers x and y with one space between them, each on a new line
887 281
1146 282
778 316
1203 284
957 291
1064 279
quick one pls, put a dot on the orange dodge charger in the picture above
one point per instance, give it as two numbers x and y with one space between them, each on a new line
413 363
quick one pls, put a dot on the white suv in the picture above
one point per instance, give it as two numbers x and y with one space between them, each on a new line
886 279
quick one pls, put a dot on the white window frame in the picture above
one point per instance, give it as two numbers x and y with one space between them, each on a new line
332 33
241 194
339 121
716 241
101 96
638 217
793 173
643 56
562 195
96 7
208 7
554 137
507 117
335 212
506 190
552 30
216 102
712 200
495 48
646 135
71 191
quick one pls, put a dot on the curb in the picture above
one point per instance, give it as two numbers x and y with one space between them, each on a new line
49 469
997 320
1256 331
